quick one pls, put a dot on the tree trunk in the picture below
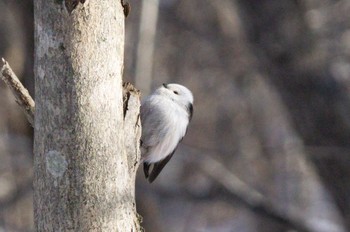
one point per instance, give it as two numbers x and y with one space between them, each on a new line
86 155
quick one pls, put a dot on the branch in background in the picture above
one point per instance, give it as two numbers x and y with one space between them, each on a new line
250 197
23 99
16 195
145 46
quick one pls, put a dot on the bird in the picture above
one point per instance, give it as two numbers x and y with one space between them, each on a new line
165 115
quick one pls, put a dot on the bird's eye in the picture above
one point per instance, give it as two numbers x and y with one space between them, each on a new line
177 93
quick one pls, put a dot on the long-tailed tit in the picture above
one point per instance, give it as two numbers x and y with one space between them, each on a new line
165 115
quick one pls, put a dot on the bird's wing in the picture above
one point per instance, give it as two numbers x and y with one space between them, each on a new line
157 167
150 111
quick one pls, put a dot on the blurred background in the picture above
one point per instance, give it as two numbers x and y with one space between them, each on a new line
271 82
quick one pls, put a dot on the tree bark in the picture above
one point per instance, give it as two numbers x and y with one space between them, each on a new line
86 153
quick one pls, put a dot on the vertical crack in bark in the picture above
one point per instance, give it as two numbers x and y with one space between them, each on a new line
132 124
72 4
126 7
126 97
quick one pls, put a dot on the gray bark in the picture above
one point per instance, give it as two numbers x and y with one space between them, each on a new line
86 154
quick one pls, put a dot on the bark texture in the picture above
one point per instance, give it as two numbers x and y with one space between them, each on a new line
82 180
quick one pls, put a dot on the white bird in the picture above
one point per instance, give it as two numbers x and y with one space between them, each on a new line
165 115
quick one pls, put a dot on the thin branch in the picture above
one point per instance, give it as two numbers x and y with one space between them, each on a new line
23 99
249 196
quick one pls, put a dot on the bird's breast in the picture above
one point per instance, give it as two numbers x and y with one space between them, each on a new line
173 127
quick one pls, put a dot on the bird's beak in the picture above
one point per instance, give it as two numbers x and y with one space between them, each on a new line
165 85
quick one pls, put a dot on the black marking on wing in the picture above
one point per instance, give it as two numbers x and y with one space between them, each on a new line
190 111
158 167
146 169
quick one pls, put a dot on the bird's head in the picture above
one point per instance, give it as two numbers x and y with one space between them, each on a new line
179 94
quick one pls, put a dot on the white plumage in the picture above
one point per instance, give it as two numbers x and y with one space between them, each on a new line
165 115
